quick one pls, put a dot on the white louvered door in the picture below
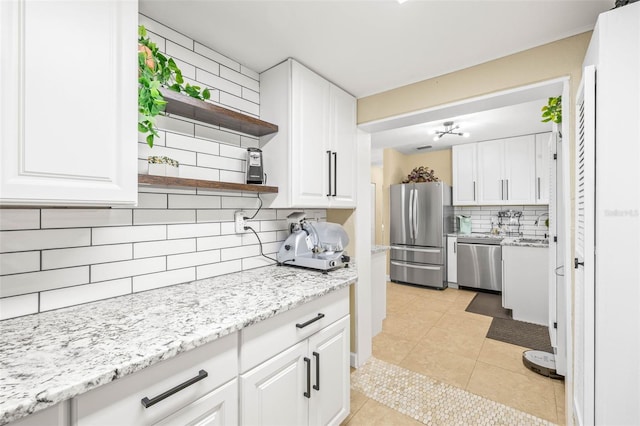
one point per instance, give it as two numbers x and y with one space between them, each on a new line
584 324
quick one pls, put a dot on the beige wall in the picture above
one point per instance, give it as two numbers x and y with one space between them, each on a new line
439 161
557 59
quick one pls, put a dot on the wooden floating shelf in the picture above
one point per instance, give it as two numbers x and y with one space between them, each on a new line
205 184
186 106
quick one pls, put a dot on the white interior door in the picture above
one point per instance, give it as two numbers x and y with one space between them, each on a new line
584 302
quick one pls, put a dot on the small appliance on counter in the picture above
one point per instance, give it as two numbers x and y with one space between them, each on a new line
464 224
314 245
255 170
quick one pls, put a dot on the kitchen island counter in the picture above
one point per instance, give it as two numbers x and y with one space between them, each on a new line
50 357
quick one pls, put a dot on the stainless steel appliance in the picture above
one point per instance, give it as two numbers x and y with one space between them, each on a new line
315 245
480 263
421 216
255 171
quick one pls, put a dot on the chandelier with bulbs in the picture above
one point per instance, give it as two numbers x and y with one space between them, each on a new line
449 129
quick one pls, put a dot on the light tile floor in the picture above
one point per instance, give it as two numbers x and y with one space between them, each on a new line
428 332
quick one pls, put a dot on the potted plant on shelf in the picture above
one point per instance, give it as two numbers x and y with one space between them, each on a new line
552 111
421 174
155 71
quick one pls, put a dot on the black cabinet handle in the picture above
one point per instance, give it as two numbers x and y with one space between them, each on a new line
335 174
329 188
576 263
311 321
146 402
317 357
308 392
474 190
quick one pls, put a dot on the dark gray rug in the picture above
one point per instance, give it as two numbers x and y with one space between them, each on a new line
520 333
489 305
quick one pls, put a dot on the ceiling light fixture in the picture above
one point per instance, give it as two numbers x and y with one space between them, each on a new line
449 129
401 1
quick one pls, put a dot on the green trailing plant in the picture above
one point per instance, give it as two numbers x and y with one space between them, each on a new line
553 110
155 71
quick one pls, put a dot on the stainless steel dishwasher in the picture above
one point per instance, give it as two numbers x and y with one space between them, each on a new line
480 263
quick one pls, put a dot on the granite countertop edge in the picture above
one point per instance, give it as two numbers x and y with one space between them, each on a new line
53 356
506 240
379 249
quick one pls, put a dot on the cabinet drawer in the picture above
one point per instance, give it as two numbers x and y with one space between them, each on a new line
265 339
119 402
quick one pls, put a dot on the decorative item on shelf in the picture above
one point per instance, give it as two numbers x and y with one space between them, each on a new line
155 71
163 166
421 174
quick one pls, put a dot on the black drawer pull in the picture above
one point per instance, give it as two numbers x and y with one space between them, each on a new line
317 385
146 402
308 392
311 321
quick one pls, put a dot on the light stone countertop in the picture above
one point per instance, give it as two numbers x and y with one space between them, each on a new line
379 249
517 242
53 356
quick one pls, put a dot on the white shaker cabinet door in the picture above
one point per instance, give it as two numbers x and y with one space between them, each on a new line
310 132
543 171
465 189
519 169
342 149
273 392
330 396
491 159
68 108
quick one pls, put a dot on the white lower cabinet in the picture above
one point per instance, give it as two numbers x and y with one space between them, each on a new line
452 260
378 291
525 283
209 400
307 381
58 415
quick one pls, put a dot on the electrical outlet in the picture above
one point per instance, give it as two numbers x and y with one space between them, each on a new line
240 222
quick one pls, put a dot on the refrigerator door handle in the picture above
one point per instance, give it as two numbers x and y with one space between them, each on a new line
408 265
415 215
411 214
414 249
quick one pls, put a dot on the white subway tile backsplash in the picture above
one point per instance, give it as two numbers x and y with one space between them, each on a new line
64 258
16 263
191 144
265 237
18 306
235 177
203 173
127 268
250 95
13 285
193 230
256 262
188 70
215 56
16 219
273 225
223 85
163 279
214 215
217 135
193 202
249 73
236 102
165 31
128 234
247 142
217 269
239 252
160 41
157 141
11 241
189 56
153 217
147 200
180 155
161 248
240 79
174 124
240 203
229 228
193 259
76 218
218 242
217 162
61 298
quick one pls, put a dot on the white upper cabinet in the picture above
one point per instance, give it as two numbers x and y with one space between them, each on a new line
464 174
543 170
506 171
68 108
311 158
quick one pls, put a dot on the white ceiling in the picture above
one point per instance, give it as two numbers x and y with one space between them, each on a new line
370 46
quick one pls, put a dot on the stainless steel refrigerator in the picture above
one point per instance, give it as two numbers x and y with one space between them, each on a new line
421 217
